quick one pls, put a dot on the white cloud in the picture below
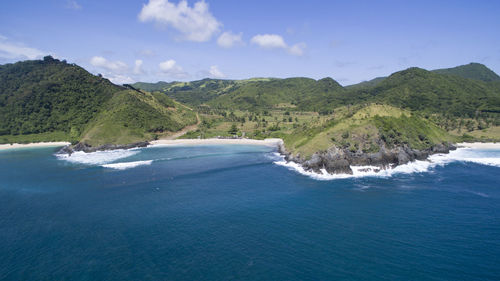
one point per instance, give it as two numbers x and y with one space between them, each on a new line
215 72
120 79
228 40
115 66
195 23
73 5
138 67
14 50
269 41
297 49
274 41
171 68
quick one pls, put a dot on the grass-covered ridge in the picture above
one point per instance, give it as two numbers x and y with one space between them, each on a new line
365 129
132 116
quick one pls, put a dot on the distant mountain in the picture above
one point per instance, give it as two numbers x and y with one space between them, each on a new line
421 90
152 87
475 71
48 99
192 93
304 93
366 84
251 94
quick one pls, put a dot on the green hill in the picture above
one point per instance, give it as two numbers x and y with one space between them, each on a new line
252 94
152 87
366 128
475 71
48 100
133 116
424 91
366 84
421 90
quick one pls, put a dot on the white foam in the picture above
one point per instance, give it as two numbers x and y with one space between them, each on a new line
459 155
127 165
98 157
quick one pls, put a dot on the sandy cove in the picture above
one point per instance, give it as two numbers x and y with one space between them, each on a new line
215 141
32 145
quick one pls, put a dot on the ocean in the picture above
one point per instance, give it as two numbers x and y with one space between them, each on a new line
235 212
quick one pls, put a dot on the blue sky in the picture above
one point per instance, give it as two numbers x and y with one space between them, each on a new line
350 41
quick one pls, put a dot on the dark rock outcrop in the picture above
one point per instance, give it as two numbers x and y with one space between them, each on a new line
87 148
339 161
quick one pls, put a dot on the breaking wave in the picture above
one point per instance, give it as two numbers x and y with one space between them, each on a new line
127 165
98 157
482 157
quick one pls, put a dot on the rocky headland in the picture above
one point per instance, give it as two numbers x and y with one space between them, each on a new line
339 160
69 149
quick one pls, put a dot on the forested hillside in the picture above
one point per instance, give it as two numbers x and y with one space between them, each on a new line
45 100
475 71
49 95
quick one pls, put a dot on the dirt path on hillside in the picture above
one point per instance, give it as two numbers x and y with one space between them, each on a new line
184 131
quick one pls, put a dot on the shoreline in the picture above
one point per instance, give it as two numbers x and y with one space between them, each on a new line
479 145
215 141
33 145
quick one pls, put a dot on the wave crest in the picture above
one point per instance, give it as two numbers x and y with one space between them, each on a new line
127 165
98 157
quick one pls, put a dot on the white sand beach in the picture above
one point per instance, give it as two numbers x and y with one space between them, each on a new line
214 141
31 145
479 145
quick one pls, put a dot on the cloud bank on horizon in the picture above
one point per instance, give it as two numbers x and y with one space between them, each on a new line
193 39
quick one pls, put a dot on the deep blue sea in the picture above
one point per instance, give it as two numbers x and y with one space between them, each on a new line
230 213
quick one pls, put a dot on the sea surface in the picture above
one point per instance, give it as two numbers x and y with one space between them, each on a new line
233 212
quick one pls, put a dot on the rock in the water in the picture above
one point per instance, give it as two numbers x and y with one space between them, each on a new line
88 148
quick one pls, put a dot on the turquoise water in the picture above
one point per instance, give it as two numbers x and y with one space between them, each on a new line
230 212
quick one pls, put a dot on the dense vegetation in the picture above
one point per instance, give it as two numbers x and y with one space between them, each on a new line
49 95
475 71
45 100
132 116
420 90
413 107
53 100
251 94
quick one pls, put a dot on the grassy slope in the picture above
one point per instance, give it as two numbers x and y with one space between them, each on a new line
363 128
132 116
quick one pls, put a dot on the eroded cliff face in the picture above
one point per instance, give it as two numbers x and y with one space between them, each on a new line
339 161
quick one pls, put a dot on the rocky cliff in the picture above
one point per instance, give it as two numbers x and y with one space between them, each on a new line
339 161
